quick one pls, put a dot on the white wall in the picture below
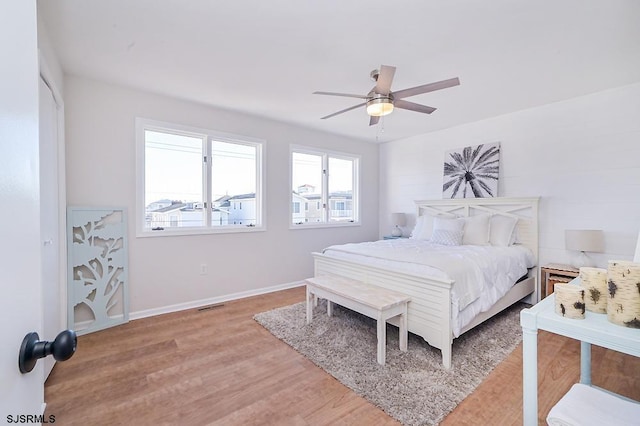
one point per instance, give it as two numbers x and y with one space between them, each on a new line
581 156
48 54
100 137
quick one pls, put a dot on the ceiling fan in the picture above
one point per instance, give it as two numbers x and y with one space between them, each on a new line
381 100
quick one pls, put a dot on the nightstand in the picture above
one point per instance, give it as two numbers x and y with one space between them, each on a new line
391 237
556 273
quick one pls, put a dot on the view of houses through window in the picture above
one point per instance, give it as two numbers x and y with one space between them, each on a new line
198 181
323 187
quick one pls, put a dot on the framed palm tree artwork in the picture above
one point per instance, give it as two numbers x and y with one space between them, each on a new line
472 172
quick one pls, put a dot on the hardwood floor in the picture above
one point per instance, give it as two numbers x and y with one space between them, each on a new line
219 367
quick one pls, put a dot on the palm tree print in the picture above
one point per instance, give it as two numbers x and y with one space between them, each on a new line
474 169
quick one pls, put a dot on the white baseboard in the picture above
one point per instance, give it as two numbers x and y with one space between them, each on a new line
212 301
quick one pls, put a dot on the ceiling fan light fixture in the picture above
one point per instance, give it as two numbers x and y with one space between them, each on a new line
379 107
381 100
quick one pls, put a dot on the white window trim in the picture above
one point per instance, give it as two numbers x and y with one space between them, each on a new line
356 186
143 124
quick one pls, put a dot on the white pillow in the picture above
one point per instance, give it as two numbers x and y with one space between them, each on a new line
448 224
502 230
476 230
423 228
447 237
417 229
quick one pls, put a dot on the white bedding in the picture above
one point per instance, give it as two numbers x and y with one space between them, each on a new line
482 274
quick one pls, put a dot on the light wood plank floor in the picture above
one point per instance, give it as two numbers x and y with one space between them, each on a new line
220 367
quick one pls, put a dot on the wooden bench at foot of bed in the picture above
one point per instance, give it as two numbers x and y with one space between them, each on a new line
375 302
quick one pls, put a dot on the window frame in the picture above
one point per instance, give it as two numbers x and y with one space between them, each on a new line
144 124
355 196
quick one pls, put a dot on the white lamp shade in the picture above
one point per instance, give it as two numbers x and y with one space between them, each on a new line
636 257
398 219
584 240
379 107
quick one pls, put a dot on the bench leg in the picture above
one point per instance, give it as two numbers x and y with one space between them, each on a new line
329 308
310 301
382 339
403 331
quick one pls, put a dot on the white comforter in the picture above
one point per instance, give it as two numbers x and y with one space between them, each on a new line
481 274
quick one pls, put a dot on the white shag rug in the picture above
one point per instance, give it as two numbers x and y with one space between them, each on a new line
412 387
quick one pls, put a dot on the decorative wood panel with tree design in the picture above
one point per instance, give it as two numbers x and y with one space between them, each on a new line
97 268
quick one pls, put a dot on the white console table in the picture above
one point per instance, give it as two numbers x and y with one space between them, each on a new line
594 329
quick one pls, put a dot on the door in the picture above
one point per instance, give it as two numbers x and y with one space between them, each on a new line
49 220
20 300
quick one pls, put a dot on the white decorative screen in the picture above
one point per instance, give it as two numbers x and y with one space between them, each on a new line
97 268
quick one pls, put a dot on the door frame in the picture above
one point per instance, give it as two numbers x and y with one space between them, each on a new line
49 80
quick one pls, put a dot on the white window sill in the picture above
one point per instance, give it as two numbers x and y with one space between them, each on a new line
324 225
199 231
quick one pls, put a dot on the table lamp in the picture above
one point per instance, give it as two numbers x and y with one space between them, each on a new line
584 240
398 219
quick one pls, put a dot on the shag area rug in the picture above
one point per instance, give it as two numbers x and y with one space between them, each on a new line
412 387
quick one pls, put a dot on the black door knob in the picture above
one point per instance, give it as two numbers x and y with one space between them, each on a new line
32 349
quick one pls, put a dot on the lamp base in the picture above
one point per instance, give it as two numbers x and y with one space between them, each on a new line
582 260
396 232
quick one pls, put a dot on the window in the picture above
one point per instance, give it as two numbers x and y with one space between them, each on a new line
327 184
193 181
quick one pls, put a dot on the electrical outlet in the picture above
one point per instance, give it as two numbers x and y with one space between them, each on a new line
203 269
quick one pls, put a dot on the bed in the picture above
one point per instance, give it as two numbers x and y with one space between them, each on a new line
438 312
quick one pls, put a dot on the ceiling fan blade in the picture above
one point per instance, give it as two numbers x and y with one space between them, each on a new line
348 95
425 88
373 120
344 110
400 103
385 77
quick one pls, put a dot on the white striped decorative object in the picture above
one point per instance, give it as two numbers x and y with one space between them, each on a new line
594 281
569 300
623 301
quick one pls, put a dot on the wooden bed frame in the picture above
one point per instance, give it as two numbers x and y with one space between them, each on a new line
429 313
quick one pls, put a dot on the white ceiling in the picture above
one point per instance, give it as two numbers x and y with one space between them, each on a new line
267 57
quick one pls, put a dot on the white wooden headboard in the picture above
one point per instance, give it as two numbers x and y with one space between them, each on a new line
524 209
